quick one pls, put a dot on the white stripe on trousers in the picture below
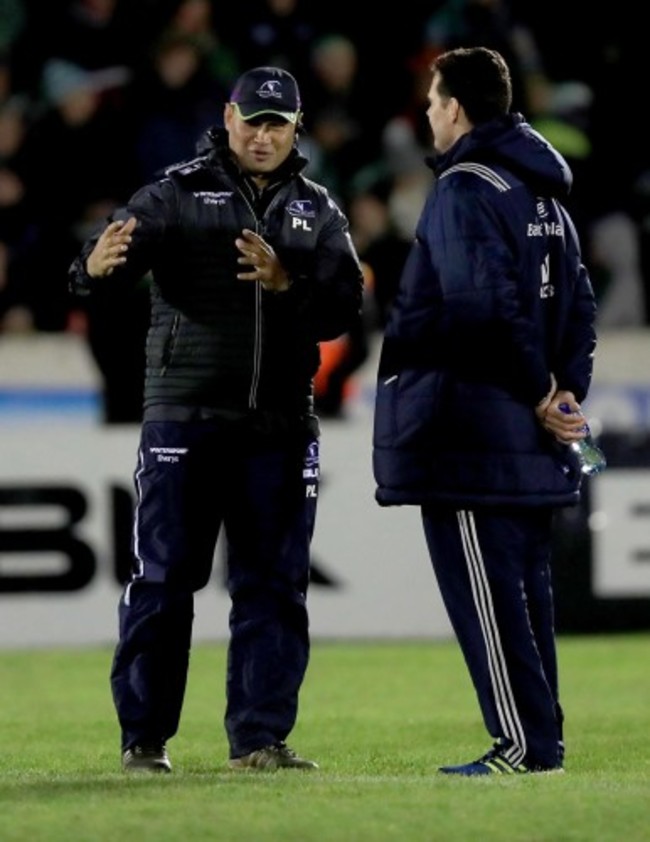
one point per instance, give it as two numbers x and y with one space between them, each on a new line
503 696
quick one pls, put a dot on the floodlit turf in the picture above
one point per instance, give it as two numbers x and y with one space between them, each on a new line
379 717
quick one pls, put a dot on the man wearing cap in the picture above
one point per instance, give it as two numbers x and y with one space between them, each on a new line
251 267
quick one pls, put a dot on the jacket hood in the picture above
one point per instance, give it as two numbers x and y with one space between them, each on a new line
513 143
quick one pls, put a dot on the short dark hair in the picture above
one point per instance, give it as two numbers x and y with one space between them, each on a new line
478 78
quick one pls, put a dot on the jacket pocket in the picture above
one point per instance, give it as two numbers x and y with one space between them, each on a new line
407 410
385 422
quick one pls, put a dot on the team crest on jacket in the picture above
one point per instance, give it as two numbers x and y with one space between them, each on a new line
301 207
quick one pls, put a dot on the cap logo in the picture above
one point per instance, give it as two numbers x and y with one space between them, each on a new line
271 89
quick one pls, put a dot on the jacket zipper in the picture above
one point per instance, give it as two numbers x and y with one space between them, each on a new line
257 343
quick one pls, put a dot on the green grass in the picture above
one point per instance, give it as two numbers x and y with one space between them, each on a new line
379 717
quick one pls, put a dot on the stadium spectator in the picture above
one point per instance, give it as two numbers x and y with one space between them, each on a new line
78 124
273 32
172 103
344 126
380 246
19 299
493 24
195 19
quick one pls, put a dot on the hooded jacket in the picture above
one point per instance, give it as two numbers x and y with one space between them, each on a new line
218 345
493 298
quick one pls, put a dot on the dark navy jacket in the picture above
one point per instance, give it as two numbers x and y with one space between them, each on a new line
493 298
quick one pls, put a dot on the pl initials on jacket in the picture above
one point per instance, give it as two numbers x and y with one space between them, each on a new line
217 343
493 286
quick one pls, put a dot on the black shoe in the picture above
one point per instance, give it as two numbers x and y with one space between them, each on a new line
146 758
277 756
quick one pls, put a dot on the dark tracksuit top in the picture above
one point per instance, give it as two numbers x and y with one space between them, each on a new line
217 343
492 300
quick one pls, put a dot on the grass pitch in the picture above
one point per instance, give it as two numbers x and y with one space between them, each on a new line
379 718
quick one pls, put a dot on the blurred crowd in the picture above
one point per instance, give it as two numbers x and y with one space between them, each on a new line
98 96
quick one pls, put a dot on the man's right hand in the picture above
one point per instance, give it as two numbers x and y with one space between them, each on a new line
111 248
565 427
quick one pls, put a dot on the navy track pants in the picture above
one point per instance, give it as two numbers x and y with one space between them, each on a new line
493 571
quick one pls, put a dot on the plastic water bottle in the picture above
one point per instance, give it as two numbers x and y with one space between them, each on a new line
591 457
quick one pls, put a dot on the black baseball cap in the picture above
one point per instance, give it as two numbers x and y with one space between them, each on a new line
267 90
